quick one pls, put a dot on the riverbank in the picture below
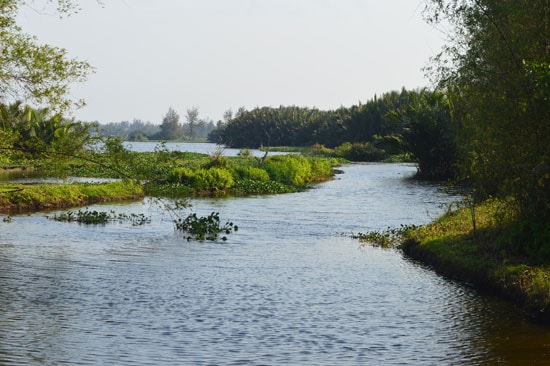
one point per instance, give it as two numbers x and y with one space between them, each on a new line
453 248
35 197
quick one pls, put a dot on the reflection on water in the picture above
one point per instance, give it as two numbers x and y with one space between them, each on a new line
287 288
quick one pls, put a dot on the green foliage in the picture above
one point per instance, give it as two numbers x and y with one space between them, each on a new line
180 175
429 134
35 133
496 74
38 74
252 173
205 228
173 190
279 174
295 126
94 217
41 196
212 180
322 168
527 239
289 169
255 187
389 238
170 126
137 130
359 152
203 180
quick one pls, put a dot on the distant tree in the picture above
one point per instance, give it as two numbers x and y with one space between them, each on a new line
192 118
201 130
170 127
227 115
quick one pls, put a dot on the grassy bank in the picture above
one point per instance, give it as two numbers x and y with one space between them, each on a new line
183 174
34 197
164 174
483 258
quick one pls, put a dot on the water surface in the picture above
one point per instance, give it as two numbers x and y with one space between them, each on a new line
287 288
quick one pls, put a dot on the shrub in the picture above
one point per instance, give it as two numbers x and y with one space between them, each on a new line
213 179
180 175
321 168
359 152
289 169
248 186
252 173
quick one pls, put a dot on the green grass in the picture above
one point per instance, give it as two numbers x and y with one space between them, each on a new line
18 197
246 175
164 173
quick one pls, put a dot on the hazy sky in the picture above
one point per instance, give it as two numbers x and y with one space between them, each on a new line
150 55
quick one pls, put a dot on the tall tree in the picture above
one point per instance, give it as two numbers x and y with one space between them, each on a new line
192 118
170 127
496 69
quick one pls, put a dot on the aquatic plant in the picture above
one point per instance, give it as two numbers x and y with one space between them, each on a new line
391 237
205 227
94 217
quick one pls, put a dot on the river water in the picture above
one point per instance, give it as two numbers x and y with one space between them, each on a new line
289 288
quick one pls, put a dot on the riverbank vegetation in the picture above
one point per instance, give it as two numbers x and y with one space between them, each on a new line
496 74
486 247
162 174
406 125
34 197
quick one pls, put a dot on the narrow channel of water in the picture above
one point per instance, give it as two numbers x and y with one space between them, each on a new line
287 288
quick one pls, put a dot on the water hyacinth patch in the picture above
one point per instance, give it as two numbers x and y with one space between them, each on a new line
89 217
205 227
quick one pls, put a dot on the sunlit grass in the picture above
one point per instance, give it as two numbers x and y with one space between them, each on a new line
452 246
43 196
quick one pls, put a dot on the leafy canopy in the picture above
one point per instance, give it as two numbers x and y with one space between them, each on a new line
496 70
37 74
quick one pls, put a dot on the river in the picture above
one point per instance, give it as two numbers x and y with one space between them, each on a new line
289 288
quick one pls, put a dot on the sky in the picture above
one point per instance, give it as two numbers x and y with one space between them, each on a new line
215 55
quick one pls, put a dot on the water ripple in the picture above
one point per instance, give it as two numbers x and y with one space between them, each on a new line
284 290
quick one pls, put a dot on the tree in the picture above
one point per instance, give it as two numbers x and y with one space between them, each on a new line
495 70
192 118
227 115
37 132
429 134
37 74
170 127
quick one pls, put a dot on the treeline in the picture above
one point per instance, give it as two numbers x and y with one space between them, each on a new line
194 128
298 126
137 130
416 122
